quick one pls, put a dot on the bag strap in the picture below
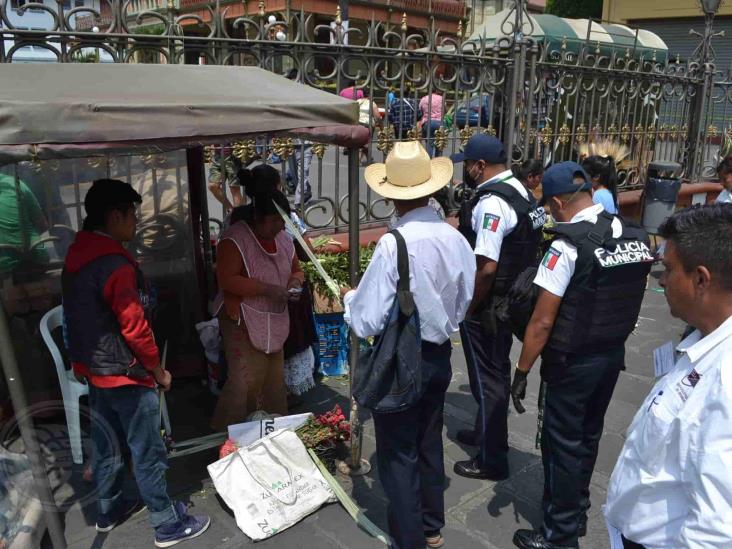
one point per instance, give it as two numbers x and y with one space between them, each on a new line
263 484
404 293
508 193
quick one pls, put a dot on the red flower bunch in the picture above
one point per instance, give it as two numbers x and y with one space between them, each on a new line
229 447
327 428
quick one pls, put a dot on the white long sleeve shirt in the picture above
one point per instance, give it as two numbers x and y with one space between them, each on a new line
441 275
672 484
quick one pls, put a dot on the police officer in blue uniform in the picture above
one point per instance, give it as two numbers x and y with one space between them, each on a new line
502 223
592 281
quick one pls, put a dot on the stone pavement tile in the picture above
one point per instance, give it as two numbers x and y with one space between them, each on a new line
610 447
631 390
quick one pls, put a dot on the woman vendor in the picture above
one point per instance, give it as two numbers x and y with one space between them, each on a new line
258 273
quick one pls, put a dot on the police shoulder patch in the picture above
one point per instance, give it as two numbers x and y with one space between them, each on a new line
551 258
491 221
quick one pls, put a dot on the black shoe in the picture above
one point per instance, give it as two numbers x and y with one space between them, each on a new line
468 437
531 539
582 528
471 469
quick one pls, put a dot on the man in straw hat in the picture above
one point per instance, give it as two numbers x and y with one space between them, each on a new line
442 272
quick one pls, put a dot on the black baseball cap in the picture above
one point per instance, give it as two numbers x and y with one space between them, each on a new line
482 147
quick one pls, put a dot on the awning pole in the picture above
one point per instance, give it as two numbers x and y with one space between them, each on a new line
27 432
355 465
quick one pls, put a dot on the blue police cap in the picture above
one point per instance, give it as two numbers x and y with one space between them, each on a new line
482 147
559 180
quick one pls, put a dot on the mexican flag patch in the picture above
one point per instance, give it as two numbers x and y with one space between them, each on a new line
551 258
490 222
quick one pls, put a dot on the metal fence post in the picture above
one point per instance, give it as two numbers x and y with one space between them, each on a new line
27 432
702 61
355 465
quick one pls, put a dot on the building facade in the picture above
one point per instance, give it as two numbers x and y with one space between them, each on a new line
673 20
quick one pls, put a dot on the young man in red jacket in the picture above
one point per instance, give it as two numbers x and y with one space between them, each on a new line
107 309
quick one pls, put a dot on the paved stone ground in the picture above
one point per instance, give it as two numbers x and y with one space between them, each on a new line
479 513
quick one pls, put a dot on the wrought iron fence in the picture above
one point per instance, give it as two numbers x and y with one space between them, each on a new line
543 98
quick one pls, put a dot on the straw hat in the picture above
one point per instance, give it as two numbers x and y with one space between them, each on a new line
409 173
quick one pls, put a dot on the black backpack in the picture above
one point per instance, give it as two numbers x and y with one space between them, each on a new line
388 377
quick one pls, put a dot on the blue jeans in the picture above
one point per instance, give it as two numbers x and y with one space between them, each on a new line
301 183
428 132
130 413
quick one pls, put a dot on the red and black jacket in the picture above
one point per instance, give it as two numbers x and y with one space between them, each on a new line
107 313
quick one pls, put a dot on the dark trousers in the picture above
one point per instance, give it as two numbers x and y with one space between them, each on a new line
130 413
578 392
627 544
489 372
410 456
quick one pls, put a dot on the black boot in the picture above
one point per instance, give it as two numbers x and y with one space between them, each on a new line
531 539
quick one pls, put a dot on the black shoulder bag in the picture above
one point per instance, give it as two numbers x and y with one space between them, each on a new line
388 377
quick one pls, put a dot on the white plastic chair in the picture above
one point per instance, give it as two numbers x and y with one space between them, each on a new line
71 389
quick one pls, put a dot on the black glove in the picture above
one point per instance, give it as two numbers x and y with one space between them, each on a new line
518 390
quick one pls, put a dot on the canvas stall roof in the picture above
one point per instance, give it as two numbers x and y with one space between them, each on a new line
74 110
553 30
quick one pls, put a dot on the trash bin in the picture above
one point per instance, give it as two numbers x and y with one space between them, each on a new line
660 194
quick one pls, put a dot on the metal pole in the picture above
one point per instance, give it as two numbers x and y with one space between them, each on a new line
27 432
704 57
355 465
517 80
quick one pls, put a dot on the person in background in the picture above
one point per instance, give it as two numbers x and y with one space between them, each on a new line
432 107
221 175
591 286
368 117
21 224
604 181
351 92
107 313
258 273
724 171
442 271
299 161
530 173
404 114
672 483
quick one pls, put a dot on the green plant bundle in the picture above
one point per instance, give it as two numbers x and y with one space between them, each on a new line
336 265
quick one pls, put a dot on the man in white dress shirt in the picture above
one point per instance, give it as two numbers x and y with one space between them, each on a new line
442 271
672 484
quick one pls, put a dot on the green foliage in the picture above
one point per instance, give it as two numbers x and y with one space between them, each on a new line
336 265
575 9
85 57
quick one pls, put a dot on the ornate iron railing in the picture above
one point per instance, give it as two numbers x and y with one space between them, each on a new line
542 99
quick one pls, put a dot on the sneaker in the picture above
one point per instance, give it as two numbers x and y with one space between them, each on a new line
107 521
186 527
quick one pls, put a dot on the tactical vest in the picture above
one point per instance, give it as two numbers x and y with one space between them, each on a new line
520 248
600 307
93 334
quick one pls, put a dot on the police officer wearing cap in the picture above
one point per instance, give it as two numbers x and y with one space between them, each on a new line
503 223
592 281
